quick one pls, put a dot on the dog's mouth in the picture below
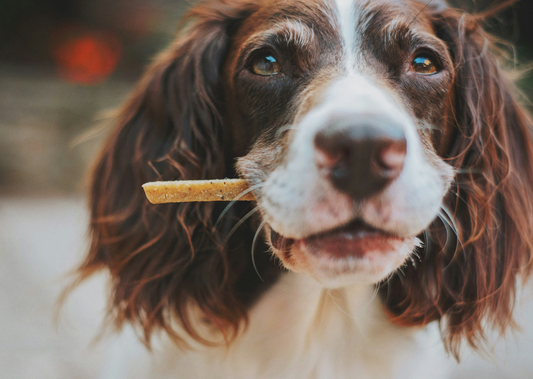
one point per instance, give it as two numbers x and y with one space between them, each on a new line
355 239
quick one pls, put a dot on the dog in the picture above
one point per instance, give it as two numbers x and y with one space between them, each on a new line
392 169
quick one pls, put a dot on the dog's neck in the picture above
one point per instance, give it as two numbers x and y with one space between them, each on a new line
298 329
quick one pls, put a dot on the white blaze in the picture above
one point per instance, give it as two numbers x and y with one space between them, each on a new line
347 20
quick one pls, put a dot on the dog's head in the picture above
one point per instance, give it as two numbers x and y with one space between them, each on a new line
381 139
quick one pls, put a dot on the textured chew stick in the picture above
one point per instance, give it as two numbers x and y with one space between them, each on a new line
183 191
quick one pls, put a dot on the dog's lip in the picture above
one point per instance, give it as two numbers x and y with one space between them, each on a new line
280 242
354 230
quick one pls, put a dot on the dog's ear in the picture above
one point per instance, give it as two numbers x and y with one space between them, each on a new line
163 259
484 238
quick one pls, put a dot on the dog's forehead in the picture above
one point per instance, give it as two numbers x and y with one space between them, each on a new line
346 18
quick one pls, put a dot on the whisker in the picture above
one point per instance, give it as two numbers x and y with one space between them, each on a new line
334 300
374 294
452 220
386 282
447 227
243 193
354 317
257 232
418 14
331 295
429 127
426 245
241 221
447 223
463 200
469 171
284 129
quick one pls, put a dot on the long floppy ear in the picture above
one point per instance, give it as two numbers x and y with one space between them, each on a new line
165 258
484 238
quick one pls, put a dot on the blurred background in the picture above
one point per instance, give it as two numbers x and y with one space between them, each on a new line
65 66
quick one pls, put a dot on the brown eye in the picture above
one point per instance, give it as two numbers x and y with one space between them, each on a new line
424 65
265 65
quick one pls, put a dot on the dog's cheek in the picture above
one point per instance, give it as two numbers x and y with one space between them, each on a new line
425 97
431 155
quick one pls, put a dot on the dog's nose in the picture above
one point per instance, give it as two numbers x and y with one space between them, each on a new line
361 157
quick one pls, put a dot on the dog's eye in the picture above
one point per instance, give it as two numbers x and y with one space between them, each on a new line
425 65
265 65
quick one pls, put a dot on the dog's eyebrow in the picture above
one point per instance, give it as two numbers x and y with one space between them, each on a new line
398 29
297 32
413 39
288 31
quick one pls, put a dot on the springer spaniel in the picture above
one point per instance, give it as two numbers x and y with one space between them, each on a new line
392 167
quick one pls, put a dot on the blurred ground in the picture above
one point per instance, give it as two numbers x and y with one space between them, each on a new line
42 239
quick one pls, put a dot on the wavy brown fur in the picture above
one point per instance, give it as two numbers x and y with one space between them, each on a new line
162 259
468 283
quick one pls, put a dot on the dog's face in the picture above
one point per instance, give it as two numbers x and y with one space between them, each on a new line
342 101
356 122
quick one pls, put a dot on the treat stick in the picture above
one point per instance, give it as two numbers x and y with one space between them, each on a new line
182 191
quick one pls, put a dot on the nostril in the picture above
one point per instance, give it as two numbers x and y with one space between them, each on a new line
391 157
331 150
327 159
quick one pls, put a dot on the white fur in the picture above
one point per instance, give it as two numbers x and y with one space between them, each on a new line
349 18
298 33
293 31
347 21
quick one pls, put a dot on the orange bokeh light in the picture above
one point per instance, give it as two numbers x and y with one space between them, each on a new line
86 58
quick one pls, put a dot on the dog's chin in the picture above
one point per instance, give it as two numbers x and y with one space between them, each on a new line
353 254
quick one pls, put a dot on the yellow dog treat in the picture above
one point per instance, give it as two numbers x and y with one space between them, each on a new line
183 191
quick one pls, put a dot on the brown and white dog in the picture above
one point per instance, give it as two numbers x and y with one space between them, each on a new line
392 168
